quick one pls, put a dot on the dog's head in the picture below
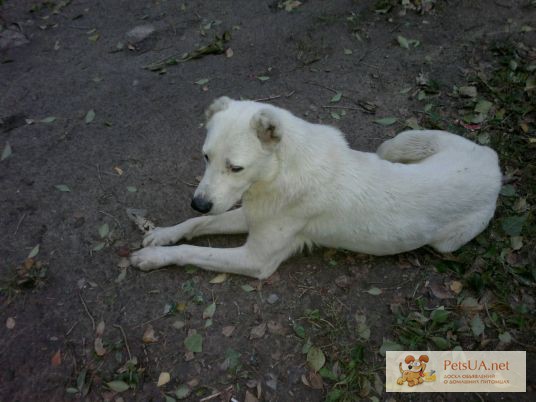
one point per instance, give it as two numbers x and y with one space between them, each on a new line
416 366
239 150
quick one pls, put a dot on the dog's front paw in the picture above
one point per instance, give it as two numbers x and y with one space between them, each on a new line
160 237
149 258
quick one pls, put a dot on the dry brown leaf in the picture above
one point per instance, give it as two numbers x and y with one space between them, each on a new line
10 323
440 291
163 379
315 380
118 170
456 286
99 347
56 359
250 397
258 331
305 381
149 335
228 330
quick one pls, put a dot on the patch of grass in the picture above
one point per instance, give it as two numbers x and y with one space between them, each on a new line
29 275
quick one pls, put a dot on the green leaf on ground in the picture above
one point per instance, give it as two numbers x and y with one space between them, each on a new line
263 78
336 98
131 189
34 252
104 230
386 121
49 119
194 343
316 358
390 345
477 325
6 153
118 386
247 288
64 188
209 311
202 81
513 225
90 116
374 291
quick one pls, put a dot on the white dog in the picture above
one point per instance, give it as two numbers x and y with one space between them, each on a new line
300 184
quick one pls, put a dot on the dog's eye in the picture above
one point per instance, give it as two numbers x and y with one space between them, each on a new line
206 157
236 169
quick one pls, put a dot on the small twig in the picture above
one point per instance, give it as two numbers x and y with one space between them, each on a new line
210 397
152 320
237 308
186 183
342 107
20 223
87 310
274 97
71 329
125 339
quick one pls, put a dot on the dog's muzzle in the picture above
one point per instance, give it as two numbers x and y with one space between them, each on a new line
201 205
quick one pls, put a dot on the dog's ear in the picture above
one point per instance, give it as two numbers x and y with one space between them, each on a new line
268 127
409 359
424 358
217 105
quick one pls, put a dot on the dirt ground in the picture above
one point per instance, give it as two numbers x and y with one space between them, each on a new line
92 132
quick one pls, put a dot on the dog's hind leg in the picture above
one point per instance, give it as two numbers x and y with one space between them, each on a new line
409 146
461 232
231 222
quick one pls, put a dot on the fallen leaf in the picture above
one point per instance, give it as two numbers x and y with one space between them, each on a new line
247 288
316 380
263 78
348 51
56 359
250 397
10 323
6 153
50 119
202 81
194 343
118 386
342 281
229 53
183 391
131 189
90 116
99 331
386 121
513 225
505 338
34 252
390 345
471 304
63 188
516 242
104 230
149 335
163 379
228 330
209 311
402 41
336 98
316 358
258 331
219 278
468 92
477 325
374 291
456 286
99 347
118 170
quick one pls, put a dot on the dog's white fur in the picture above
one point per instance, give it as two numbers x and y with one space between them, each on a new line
302 185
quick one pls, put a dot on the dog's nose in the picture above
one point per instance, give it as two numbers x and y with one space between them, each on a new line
201 205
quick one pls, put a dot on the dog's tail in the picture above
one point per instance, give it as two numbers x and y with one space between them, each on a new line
410 146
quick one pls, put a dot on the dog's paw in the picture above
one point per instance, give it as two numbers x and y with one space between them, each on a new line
149 258
160 237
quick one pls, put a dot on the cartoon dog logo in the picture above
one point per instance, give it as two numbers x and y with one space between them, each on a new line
415 373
